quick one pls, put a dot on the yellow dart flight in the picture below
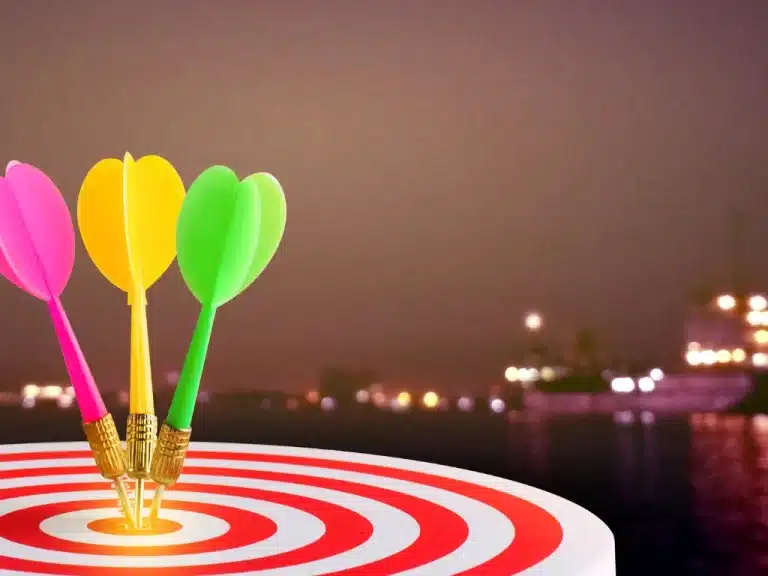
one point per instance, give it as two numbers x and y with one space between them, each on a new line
127 212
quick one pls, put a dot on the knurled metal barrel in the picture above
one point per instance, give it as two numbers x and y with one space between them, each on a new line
169 454
140 439
105 444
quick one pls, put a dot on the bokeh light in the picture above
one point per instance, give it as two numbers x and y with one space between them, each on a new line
430 400
533 321
726 302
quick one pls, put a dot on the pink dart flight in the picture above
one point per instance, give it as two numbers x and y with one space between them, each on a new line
37 254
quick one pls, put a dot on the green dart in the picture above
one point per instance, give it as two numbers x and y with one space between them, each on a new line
227 233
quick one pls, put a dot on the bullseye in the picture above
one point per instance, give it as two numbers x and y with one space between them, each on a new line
241 509
118 526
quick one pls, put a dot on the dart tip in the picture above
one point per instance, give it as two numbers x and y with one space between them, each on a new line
138 506
125 503
157 502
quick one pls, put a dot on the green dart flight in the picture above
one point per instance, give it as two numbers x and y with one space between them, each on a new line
227 233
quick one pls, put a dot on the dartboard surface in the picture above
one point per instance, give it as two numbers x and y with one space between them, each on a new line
279 511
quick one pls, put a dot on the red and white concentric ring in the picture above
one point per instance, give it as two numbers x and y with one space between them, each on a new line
269 510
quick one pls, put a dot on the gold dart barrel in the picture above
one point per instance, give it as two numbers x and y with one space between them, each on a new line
140 439
169 455
167 461
105 445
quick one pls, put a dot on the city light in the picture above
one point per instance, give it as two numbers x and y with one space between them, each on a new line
761 336
646 384
726 302
497 405
401 402
362 396
465 404
533 321
758 302
430 400
548 374
313 397
697 357
30 391
622 385
760 359
379 399
64 401
511 374
328 404
529 375
757 318
656 374
51 392
403 399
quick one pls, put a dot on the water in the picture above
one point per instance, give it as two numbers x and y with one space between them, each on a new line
681 496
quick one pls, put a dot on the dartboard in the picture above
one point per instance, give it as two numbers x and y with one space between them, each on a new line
279 511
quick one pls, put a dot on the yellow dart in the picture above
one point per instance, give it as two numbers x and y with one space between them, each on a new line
127 212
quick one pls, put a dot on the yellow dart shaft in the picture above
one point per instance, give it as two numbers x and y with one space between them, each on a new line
141 396
141 432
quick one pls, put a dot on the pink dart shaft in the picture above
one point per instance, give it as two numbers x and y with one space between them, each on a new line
87 394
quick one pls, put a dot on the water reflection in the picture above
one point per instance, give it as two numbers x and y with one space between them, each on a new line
626 457
539 446
650 458
730 478
681 497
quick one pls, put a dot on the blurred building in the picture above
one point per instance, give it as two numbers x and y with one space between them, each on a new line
728 333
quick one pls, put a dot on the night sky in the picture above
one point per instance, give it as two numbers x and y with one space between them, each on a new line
448 165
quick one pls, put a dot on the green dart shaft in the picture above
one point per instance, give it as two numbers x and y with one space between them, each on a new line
185 397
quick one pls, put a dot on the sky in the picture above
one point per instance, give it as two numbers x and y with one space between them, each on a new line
448 165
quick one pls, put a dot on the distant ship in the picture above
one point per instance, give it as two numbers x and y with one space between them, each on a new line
726 345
